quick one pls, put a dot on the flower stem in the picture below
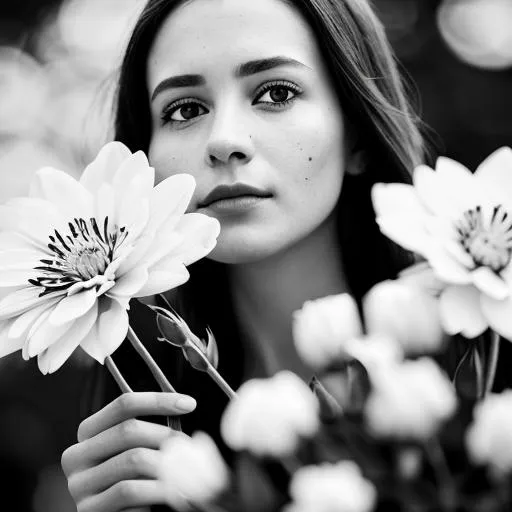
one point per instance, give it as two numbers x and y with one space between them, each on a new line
219 380
157 373
492 363
445 482
116 374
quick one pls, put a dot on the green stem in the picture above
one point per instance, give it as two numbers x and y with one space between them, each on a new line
445 482
116 374
492 362
157 373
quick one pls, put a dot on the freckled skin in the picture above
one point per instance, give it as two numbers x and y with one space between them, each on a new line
254 144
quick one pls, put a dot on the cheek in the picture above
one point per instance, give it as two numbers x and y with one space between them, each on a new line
312 153
169 158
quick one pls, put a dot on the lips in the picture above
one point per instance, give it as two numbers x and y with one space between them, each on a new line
232 191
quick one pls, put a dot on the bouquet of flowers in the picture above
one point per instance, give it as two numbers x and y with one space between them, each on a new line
382 426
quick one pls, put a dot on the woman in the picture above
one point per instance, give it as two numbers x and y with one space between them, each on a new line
285 112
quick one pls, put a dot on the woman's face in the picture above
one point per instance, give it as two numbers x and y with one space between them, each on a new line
241 99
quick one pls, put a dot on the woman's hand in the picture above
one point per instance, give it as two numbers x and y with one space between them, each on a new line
113 465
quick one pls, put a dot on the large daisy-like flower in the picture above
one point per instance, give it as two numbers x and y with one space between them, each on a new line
462 224
73 254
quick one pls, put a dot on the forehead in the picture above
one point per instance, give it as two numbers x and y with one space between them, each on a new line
218 33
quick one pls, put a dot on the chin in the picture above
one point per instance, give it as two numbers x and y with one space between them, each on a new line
240 252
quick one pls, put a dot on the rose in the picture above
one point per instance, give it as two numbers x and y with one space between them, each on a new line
270 416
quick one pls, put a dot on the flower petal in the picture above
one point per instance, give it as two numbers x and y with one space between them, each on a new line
46 333
19 259
23 323
134 168
72 307
161 281
34 226
64 191
170 198
109 330
17 277
496 172
400 215
461 311
130 283
447 191
22 300
11 241
499 315
199 234
103 168
446 267
57 354
9 344
489 283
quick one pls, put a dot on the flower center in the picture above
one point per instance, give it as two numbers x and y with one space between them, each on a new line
80 255
488 243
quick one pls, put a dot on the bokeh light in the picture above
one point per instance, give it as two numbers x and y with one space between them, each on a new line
479 32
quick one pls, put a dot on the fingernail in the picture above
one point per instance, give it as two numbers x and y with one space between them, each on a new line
186 403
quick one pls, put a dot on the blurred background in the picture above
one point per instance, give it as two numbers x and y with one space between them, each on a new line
58 61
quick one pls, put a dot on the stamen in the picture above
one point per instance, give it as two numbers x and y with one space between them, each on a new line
489 246
80 256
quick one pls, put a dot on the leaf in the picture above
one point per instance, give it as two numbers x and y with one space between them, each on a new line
330 409
469 376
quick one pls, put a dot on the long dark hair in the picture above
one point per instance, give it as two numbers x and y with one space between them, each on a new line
364 74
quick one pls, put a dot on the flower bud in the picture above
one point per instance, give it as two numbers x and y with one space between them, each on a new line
191 470
270 416
406 313
489 437
176 332
322 326
338 487
409 400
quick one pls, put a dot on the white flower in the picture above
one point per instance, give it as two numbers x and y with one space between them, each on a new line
270 416
375 351
74 253
409 400
489 437
407 313
328 487
462 224
322 326
191 470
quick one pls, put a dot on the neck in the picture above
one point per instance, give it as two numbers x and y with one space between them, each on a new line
266 293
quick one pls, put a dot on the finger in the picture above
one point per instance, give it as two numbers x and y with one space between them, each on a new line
131 405
125 494
137 463
124 436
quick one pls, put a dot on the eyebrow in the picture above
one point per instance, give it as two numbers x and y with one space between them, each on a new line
243 70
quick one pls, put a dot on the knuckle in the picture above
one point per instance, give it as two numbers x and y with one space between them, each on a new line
129 429
125 492
125 402
136 458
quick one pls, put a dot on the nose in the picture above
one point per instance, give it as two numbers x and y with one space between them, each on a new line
229 139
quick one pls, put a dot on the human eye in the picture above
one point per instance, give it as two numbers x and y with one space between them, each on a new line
182 111
277 94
